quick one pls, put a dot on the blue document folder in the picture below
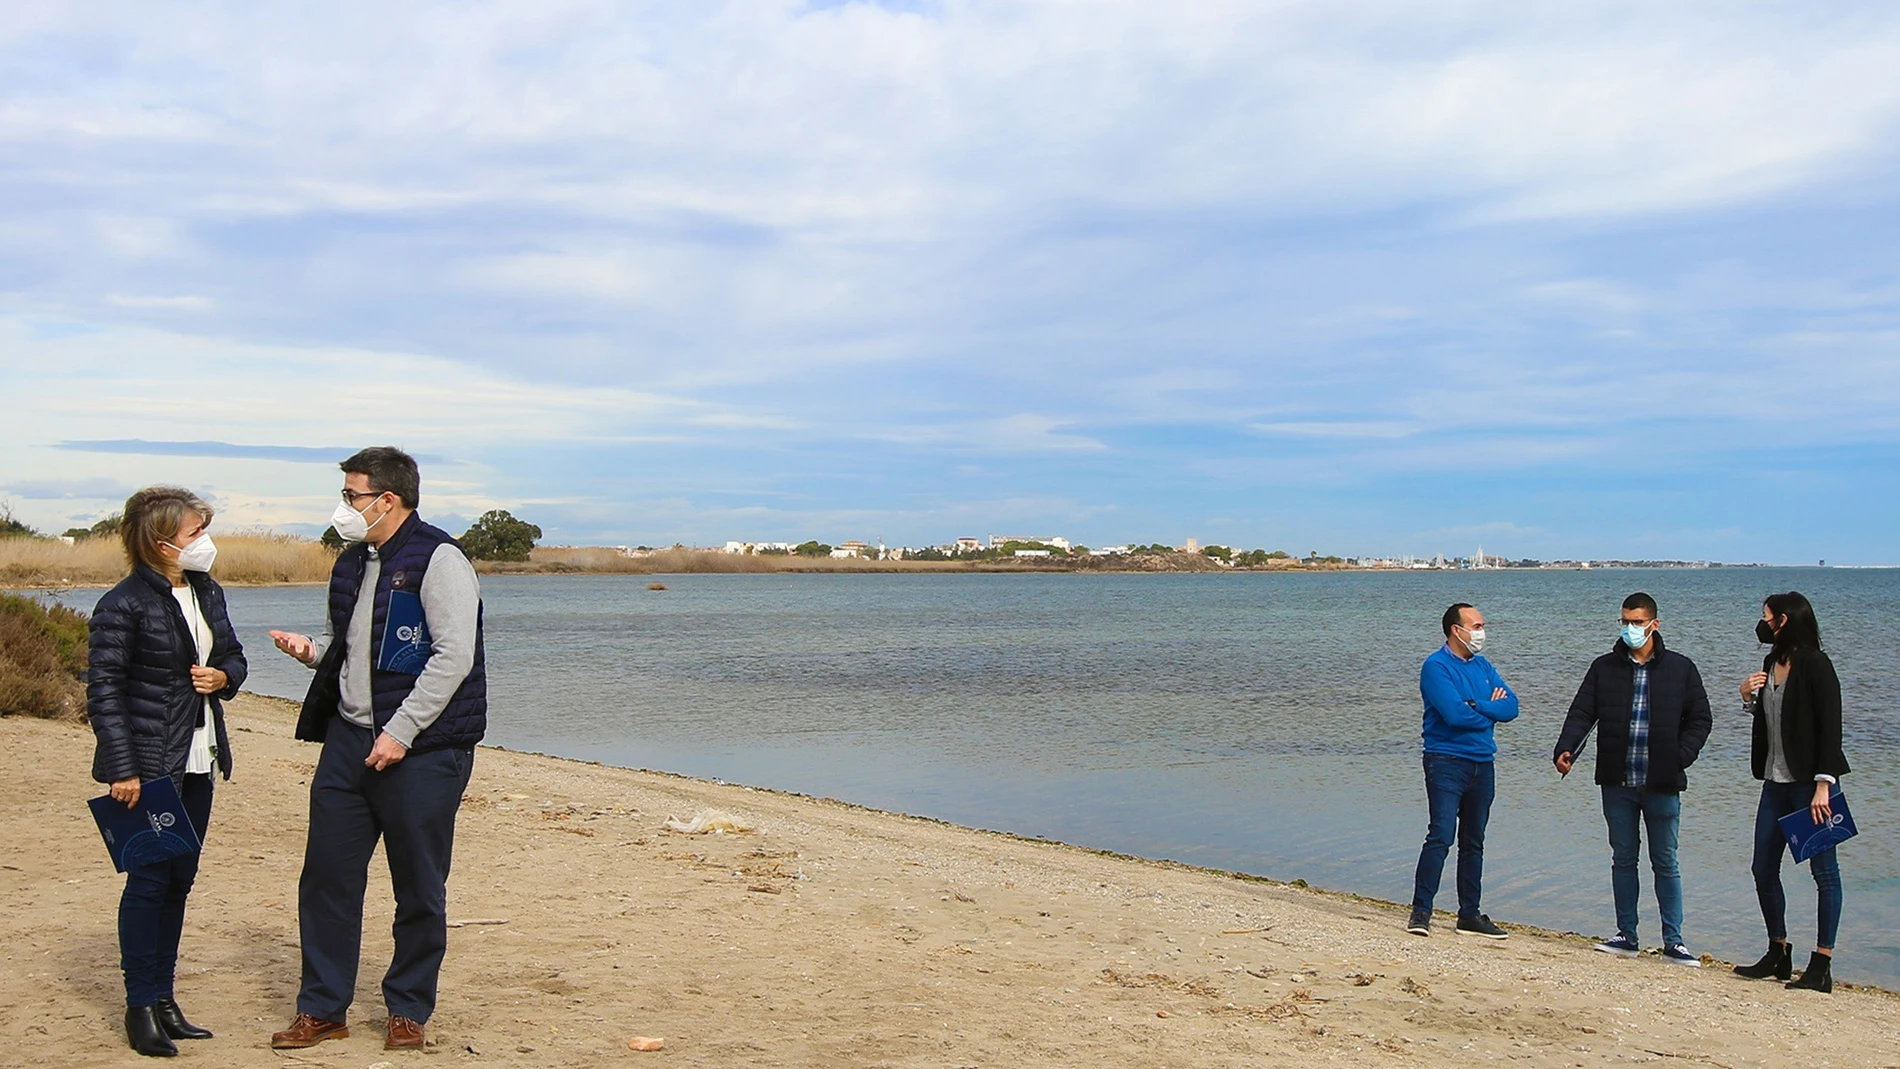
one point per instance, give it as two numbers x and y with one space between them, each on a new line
406 645
1806 838
156 829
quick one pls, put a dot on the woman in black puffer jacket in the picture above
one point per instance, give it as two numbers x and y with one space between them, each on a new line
163 659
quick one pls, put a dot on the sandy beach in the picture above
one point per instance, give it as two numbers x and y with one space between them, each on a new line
831 935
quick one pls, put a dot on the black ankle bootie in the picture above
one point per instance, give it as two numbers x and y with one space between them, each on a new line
1818 976
1778 963
142 1028
172 1020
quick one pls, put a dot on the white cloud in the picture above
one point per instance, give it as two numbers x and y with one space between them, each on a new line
163 304
144 384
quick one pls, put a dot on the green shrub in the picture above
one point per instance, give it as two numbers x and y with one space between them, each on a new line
12 528
42 659
499 536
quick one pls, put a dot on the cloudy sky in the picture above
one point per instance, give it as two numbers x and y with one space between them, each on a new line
1592 279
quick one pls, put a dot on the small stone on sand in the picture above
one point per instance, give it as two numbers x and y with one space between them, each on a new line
645 1043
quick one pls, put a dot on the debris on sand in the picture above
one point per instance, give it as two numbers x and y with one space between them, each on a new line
708 821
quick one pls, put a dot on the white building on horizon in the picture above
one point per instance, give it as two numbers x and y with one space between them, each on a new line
759 547
999 541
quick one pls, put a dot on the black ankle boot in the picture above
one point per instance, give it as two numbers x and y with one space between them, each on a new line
1818 976
142 1028
172 1020
1778 963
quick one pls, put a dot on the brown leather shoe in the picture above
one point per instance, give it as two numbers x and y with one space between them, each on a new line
404 1034
308 1031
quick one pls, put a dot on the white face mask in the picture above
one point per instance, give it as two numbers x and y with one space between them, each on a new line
1474 640
350 524
199 556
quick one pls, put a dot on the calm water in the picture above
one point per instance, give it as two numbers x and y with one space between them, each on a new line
1259 722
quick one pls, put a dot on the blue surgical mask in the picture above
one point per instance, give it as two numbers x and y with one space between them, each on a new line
1634 635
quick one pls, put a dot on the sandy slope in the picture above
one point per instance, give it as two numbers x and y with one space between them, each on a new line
831 936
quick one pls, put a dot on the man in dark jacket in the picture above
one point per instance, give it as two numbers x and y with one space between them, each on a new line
399 701
1653 716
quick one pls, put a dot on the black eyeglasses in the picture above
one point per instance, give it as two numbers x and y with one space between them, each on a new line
350 496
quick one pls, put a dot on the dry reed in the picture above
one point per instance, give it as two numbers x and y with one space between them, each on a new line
243 559
602 560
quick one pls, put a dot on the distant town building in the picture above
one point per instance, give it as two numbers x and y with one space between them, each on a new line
853 548
1032 553
968 545
999 541
759 547
1193 546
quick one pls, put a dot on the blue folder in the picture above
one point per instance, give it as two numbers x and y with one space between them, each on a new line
1806 838
406 645
156 829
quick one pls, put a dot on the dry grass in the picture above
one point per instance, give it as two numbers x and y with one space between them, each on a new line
254 558
602 560
243 559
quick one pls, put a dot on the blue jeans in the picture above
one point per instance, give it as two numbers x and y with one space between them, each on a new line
1627 810
152 909
1777 801
1458 791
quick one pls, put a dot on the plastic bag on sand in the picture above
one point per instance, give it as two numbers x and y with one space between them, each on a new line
716 821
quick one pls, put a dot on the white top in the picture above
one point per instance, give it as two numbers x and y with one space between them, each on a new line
201 758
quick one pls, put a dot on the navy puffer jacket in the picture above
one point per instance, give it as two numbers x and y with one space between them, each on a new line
138 681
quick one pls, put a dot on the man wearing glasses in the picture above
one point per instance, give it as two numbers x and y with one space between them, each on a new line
399 701
1653 717
1465 700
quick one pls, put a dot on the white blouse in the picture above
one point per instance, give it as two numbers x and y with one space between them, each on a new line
202 756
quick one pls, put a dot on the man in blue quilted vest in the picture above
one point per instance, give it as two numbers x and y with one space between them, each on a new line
399 701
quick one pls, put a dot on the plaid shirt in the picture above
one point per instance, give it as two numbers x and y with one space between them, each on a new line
1636 758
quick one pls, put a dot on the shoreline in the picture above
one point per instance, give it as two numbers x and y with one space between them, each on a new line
560 570
835 934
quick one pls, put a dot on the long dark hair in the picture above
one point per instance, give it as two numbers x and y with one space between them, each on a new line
1800 632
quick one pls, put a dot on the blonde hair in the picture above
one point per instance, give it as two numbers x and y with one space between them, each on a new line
154 515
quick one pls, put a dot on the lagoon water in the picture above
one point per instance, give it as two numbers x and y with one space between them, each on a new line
1266 723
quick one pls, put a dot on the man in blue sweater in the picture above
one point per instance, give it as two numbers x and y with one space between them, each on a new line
1465 700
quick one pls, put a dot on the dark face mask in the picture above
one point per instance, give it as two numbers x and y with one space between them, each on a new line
1764 633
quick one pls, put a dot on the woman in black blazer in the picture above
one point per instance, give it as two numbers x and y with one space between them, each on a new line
1796 701
162 660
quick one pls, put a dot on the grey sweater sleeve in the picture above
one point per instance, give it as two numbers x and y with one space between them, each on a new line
451 602
321 644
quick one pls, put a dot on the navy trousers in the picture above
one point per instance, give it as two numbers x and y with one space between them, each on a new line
152 909
411 807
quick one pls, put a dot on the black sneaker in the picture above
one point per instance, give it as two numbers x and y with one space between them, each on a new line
1481 925
1421 922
